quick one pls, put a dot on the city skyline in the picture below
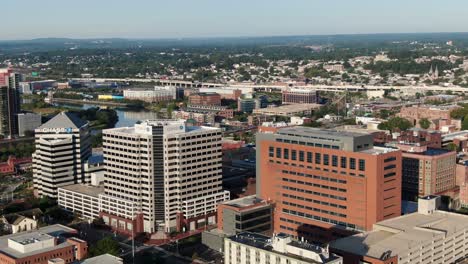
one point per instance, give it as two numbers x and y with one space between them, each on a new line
181 19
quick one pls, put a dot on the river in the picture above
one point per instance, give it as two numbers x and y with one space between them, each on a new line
127 117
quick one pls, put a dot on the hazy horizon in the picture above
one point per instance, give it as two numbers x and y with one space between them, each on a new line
157 19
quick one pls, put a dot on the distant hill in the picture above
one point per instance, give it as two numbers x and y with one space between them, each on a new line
49 44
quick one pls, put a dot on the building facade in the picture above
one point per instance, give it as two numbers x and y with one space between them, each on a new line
82 200
427 236
62 147
205 99
9 102
428 172
158 94
165 172
41 245
245 214
438 116
326 183
248 247
300 96
28 122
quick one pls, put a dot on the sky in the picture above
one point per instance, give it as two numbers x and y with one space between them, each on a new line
29 19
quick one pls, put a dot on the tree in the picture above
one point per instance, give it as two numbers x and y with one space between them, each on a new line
465 123
395 124
106 245
424 123
452 146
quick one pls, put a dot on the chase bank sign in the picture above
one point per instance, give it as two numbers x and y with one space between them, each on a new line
58 130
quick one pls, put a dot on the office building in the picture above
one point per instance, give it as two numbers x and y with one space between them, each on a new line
245 214
9 102
158 94
205 99
427 171
163 174
428 236
62 147
325 183
28 122
228 93
300 96
288 110
221 111
41 245
248 247
246 105
197 118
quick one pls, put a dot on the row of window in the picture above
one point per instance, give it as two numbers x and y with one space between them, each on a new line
309 209
336 197
319 218
313 201
315 185
323 178
318 158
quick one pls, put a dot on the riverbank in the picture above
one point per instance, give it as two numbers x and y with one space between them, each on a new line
92 102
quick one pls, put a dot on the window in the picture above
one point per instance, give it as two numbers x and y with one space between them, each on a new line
326 159
271 152
293 154
318 158
362 165
389 159
301 155
334 161
390 167
286 153
352 163
278 153
343 162
309 157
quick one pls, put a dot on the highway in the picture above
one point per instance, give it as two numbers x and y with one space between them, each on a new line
273 87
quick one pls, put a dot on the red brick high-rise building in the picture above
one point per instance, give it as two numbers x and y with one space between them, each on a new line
326 183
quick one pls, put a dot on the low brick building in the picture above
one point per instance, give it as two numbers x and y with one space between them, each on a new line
41 245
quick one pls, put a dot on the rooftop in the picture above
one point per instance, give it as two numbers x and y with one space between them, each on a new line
246 201
103 259
85 189
327 133
41 234
284 245
400 234
65 120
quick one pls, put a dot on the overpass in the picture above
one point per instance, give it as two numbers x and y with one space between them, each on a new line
279 88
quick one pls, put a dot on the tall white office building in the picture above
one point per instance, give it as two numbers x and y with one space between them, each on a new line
161 176
62 147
